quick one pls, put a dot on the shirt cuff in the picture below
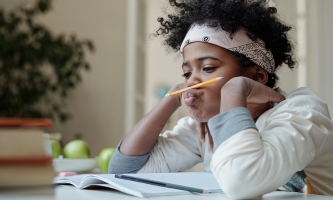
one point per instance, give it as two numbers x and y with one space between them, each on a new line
225 125
124 164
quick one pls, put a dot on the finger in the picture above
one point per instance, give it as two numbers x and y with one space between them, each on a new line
260 93
273 95
277 98
180 100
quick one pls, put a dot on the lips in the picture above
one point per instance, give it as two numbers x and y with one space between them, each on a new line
190 98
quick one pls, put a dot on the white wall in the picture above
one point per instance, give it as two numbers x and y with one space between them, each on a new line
286 10
319 45
162 68
314 27
97 104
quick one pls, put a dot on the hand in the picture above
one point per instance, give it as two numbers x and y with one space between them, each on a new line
179 97
245 92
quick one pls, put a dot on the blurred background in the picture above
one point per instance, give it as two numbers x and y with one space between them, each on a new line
130 70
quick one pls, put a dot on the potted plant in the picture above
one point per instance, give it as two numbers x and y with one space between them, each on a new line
37 67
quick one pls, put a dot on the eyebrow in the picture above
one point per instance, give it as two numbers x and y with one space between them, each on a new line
201 59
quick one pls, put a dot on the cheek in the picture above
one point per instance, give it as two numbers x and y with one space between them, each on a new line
231 72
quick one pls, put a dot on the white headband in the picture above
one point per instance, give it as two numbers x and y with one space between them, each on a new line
241 43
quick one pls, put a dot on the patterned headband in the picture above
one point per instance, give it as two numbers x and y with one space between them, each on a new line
241 43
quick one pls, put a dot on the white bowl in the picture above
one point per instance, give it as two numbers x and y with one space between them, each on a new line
78 165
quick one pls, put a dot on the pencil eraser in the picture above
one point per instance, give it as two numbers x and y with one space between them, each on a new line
63 174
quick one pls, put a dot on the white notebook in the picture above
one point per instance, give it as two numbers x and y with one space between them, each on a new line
202 180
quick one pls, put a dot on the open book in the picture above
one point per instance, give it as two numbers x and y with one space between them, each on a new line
203 180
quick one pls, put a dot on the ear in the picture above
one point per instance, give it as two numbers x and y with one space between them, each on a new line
260 75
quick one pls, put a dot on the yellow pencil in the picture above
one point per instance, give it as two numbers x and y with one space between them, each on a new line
193 87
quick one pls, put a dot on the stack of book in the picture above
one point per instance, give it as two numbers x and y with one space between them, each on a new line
25 154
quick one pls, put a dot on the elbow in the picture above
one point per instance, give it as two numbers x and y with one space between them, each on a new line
119 170
120 165
116 167
237 192
243 186
239 185
233 191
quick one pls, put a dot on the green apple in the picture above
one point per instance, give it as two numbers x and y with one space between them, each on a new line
76 149
104 158
56 148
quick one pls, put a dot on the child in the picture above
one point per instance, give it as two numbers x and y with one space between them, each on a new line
262 139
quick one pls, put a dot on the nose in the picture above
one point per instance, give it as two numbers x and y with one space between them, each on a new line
193 80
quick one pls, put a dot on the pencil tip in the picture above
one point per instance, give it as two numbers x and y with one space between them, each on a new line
167 95
219 77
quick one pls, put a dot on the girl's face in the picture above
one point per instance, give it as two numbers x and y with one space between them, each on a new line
204 61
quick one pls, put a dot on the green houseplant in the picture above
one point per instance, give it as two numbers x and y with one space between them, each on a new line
37 67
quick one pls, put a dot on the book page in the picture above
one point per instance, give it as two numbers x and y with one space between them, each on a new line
73 180
202 180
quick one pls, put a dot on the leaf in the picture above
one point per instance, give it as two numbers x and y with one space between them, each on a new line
38 68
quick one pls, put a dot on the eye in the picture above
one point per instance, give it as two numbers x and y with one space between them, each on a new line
209 69
187 75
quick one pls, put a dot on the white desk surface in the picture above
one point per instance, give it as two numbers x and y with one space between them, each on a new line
71 193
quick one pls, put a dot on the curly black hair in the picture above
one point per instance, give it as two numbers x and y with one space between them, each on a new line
255 16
